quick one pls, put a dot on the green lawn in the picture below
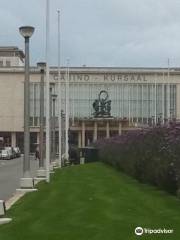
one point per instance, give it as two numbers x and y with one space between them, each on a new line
91 202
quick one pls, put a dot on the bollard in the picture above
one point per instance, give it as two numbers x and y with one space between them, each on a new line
81 160
2 208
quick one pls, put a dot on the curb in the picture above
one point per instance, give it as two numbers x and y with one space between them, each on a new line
11 201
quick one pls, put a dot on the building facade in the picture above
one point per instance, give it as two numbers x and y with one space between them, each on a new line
139 97
11 57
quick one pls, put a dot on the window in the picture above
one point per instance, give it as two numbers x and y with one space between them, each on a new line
8 63
1 63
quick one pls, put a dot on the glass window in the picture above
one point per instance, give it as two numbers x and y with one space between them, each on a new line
8 63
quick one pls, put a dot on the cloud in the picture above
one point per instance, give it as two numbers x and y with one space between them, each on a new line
99 32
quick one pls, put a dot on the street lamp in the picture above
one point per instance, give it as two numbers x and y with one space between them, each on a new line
26 181
159 119
41 171
153 120
53 96
63 136
50 125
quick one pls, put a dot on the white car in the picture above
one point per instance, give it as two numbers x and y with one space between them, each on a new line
5 154
11 151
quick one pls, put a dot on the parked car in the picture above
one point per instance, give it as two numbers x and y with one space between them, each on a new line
11 151
5 154
17 151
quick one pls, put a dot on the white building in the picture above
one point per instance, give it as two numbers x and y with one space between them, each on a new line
139 96
11 57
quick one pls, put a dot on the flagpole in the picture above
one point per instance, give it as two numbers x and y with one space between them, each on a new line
168 93
67 114
47 96
142 104
163 99
59 91
155 99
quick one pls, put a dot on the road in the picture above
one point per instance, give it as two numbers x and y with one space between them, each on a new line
10 173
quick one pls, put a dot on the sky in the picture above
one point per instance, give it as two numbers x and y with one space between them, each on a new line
97 33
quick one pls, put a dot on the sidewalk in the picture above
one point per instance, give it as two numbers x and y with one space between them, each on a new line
10 173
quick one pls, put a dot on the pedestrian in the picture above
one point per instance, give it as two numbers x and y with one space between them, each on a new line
37 156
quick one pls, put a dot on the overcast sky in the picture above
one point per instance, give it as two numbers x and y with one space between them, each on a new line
121 33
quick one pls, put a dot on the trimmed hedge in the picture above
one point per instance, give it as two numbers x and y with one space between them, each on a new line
150 155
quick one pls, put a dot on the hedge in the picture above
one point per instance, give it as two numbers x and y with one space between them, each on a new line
150 155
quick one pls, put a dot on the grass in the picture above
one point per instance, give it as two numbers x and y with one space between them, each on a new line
92 202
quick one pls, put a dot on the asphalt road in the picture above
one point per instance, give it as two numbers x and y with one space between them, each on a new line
10 173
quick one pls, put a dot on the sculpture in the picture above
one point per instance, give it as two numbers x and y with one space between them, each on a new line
102 105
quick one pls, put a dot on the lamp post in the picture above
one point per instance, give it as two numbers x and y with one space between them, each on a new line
53 96
50 125
153 120
26 181
171 114
41 171
63 137
159 120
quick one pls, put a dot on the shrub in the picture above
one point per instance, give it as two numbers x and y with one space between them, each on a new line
149 155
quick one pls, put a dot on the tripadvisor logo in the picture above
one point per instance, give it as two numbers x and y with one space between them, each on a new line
140 231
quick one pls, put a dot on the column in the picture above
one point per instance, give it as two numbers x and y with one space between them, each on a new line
79 139
120 128
95 132
38 137
107 129
13 139
83 134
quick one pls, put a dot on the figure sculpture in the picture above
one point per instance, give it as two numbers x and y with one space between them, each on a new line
102 105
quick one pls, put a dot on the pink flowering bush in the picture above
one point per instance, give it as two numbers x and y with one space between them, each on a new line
149 155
